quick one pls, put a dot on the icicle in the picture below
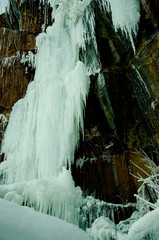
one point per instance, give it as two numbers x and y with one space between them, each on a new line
125 16
30 59
139 77
93 209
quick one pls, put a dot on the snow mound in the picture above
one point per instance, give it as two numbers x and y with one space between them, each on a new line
104 229
147 227
18 222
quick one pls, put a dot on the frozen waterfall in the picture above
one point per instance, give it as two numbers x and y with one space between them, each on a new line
44 126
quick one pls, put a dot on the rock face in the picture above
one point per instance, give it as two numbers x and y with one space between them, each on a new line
121 116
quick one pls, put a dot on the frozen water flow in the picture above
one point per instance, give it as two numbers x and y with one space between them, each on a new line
30 59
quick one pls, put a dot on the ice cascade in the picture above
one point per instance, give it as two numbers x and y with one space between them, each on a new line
43 129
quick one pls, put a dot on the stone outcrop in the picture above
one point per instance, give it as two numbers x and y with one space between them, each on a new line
121 116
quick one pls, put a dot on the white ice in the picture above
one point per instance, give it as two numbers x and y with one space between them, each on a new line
56 196
104 229
17 222
3 5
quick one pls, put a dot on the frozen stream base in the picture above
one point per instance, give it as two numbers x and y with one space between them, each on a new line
56 196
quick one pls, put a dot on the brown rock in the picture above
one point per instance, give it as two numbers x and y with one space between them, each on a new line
13 41
33 15
13 82
112 181
3 23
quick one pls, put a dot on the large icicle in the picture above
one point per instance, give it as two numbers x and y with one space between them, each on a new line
125 15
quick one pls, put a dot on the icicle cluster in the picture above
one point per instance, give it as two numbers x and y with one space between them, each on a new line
56 196
30 59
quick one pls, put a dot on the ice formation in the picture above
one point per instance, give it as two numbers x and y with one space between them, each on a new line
56 196
146 227
104 229
29 58
92 209
44 127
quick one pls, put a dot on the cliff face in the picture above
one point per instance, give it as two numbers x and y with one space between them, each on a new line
121 116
